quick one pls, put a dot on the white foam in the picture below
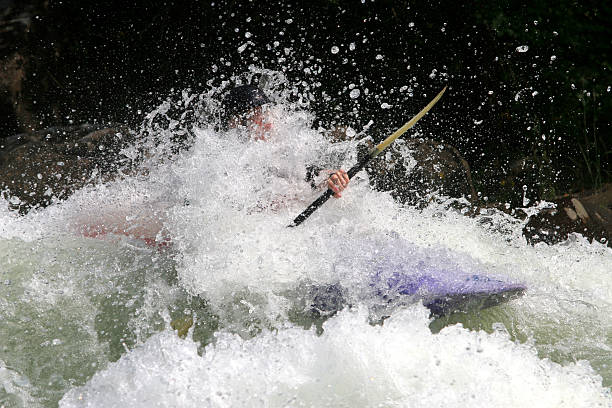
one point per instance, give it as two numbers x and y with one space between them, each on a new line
352 364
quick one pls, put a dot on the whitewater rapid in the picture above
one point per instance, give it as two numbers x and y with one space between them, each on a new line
87 321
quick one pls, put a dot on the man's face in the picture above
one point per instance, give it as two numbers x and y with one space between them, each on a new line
257 120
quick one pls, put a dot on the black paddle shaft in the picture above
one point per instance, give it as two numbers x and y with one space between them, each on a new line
325 196
373 153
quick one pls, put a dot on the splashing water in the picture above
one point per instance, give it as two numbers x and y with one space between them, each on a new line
393 365
86 320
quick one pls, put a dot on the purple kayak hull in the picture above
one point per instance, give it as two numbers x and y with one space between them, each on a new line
445 291
442 291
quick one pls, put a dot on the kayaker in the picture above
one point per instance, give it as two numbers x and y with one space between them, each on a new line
245 105
248 106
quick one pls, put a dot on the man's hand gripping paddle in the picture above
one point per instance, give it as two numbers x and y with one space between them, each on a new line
359 166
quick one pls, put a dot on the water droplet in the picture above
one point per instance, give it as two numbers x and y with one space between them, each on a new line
335 50
355 93
522 48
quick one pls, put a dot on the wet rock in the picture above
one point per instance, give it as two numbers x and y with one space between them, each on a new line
15 22
12 76
38 167
412 169
589 214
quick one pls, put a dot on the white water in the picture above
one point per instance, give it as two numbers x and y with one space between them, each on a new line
351 364
87 320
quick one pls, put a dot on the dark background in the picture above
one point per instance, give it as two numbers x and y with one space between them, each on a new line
539 118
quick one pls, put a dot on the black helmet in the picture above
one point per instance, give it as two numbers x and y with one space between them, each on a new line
242 99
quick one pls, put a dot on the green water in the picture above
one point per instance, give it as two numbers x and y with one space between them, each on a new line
70 307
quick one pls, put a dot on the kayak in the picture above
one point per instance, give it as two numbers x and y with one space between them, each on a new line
442 291
404 274
445 291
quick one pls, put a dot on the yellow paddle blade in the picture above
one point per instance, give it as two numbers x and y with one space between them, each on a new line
385 143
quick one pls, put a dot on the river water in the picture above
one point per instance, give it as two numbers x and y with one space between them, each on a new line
86 321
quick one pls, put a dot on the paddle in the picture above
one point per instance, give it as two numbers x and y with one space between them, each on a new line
361 164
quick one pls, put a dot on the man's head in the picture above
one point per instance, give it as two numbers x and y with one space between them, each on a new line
244 106
242 99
